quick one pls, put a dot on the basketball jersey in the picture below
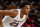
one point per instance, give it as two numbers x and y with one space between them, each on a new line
7 20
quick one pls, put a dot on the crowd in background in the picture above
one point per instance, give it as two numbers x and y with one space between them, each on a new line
34 15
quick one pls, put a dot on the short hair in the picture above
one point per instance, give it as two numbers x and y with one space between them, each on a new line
24 3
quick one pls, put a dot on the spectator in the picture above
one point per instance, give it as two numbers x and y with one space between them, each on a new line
1 6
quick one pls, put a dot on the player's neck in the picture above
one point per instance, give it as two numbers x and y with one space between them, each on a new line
22 13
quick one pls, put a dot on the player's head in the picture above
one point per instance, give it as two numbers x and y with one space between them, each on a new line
26 7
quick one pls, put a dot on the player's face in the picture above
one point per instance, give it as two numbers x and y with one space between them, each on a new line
26 9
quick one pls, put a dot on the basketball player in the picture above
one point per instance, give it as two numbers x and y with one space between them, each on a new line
15 17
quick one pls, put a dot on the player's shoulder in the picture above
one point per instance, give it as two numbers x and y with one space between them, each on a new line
15 9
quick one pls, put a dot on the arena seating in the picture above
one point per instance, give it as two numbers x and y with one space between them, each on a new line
11 7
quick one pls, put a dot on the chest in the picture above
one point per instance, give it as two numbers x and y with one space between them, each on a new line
20 14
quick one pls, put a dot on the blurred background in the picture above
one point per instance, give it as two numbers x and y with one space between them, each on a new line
34 15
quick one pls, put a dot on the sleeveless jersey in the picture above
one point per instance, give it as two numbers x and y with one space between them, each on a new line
16 22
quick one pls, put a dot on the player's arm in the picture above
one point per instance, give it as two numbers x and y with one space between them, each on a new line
9 12
1 24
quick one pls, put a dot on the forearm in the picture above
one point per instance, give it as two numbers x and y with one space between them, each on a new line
6 12
1 24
